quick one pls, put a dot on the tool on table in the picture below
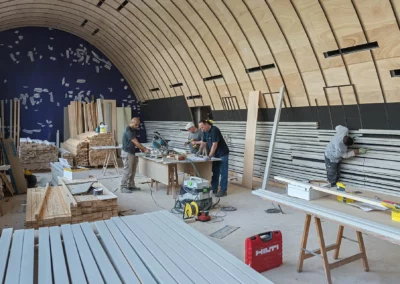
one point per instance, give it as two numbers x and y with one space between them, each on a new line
191 142
340 186
160 144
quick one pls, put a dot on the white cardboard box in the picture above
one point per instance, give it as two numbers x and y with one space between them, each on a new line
306 193
81 173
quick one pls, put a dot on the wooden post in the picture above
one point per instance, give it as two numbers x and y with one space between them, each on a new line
363 251
18 121
15 123
251 129
273 137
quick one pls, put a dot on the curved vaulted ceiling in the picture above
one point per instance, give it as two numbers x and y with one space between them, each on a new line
159 43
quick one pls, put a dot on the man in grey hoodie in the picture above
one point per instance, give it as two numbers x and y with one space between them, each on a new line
337 150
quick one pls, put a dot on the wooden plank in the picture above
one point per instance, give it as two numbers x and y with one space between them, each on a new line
5 242
18 121
89 264
210 270
57 255
16 172
373 224
106 268
334 192
231 264
100 117
45 269
273 137
2 119
28 257
14 263
120 263
40 207
251 128
113 128
68 197
136 263
158 271
176 254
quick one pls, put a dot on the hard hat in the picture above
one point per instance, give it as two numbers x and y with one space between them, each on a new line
189 125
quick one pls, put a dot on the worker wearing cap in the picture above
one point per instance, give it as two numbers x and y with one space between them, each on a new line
130 145
337 150
218 149
195 137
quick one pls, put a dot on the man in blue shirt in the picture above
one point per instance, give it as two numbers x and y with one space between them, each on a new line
218 149
130 144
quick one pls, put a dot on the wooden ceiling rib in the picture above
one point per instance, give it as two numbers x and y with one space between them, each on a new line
159 43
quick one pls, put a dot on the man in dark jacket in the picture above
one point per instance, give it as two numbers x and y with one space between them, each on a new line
218 149
129 145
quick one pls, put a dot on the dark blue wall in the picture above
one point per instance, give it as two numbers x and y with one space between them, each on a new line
57 57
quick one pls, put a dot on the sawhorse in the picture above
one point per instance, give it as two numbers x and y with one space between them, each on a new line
323 249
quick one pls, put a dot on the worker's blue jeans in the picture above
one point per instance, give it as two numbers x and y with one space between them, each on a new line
220 170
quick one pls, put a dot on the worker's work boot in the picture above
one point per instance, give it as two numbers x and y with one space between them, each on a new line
221 194
126 190
134 188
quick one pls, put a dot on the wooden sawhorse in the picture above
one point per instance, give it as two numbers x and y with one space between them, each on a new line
322 251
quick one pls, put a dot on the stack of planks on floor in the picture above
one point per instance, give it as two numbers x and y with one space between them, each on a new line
80 148
56 205
97 157
37 154
299 152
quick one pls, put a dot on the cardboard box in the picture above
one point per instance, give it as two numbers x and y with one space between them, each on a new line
304 192
80 173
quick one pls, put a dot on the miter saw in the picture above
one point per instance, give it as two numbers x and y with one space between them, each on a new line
160 145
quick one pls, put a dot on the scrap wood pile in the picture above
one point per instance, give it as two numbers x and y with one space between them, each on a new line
56 205
37 154
80 148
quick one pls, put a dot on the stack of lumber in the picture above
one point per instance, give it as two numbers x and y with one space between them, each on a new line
85 117
67 156
80 148
299 152
37 154
97 157
54 206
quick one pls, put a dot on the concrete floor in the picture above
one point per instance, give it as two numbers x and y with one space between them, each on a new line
384 257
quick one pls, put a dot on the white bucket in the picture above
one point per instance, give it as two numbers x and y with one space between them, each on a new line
103 128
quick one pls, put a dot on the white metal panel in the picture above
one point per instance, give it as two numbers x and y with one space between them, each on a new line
5 242
92 272
138 266
157 269
73 259
28 257
14 264
104 264
230 263
120 263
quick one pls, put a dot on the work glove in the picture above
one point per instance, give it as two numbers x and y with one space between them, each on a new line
362 151
207 158
198 154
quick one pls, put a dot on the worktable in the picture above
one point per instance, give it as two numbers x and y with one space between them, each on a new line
149 248
166 172
374 223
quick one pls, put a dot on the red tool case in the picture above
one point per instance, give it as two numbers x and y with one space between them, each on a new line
264 251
